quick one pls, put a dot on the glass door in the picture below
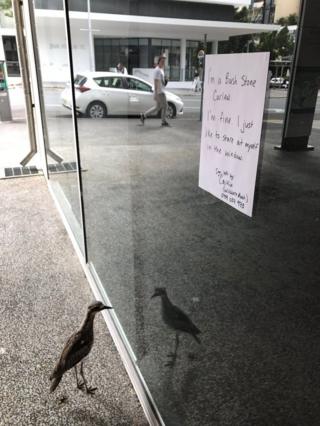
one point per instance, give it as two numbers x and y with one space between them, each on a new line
57 116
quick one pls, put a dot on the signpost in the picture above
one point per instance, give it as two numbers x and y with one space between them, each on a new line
5 108
233 104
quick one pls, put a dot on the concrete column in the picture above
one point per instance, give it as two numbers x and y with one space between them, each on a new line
305 80
183 52
215 46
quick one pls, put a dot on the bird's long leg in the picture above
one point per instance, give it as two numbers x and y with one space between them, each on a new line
173 355
88 389
79 385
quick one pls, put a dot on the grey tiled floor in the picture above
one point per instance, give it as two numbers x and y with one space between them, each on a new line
44 294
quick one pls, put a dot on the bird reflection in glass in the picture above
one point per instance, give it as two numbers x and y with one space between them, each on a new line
76 349
177 320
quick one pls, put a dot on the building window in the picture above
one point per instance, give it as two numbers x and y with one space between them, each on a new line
172 50
192 62
137 53
11 56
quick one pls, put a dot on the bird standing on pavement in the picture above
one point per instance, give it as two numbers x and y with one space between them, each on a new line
76 349
176 319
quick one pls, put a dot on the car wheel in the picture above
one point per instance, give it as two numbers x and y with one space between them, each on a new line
171 110
96 110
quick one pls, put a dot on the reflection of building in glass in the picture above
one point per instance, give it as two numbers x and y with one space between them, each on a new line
269 11
285 8
137 53
135 33
11 55
8 46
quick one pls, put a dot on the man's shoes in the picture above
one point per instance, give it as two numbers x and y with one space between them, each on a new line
165 123
142 118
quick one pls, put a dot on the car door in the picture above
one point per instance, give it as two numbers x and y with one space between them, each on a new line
113 93
140 96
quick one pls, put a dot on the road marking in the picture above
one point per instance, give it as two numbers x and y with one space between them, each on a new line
276 110
268 120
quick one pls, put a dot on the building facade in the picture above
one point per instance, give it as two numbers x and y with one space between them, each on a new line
285 8
178 28
269 11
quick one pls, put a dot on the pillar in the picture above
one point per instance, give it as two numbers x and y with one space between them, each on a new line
305 80
215 46
183 54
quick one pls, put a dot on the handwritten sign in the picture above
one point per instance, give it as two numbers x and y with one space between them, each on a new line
233 104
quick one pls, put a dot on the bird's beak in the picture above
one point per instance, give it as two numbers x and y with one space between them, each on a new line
107 307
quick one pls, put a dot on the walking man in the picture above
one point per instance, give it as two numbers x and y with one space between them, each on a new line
159 93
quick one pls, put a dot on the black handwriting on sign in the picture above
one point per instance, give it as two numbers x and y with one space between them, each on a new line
225 119
220 96
244 125
231 79
247 82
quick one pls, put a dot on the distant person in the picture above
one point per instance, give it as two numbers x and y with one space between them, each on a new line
159 93
121 68
196 82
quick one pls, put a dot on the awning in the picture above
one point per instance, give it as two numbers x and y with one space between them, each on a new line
105 24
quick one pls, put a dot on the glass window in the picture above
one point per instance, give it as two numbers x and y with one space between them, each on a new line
143 56
58 120
99 41
156 42
192 62
100 81
218 307
143 42
135 84
113 82
11 55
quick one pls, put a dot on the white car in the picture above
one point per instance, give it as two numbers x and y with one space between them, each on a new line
276 82
99 94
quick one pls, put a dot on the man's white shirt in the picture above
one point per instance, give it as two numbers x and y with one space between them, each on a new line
158 74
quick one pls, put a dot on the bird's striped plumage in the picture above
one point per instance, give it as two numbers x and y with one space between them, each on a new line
77 347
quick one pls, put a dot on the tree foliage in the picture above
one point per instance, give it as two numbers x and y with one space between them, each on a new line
6 7
278 43
289 20
242 43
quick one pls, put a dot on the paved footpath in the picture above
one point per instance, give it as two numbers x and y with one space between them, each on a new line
44 295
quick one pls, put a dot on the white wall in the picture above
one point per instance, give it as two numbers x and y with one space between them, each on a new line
53 52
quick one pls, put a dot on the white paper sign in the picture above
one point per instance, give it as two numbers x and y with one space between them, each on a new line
233 104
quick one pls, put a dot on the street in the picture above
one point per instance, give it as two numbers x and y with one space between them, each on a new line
14 135
276 103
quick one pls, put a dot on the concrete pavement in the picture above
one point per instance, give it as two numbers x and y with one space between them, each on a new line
44 295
